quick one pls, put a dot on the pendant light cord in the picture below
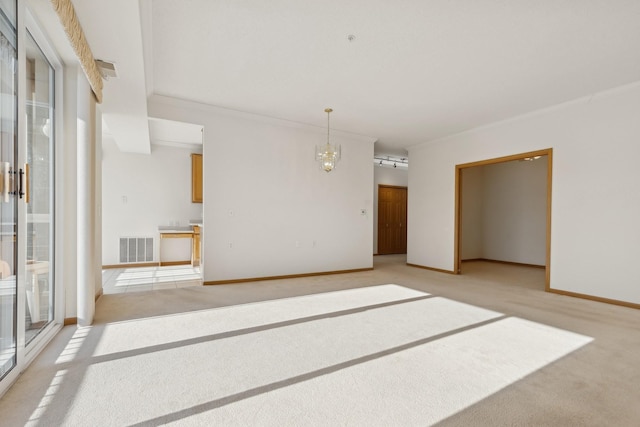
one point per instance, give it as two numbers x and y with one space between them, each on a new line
328 111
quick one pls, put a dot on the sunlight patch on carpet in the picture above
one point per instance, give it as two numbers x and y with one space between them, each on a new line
419 386
140 333
380 355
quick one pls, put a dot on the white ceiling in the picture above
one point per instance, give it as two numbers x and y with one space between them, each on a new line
417 69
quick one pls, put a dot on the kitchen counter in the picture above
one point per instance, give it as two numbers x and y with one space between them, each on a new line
182 232
175 229
173 232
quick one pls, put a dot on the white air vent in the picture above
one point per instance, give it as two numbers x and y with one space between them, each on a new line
107 69
136 249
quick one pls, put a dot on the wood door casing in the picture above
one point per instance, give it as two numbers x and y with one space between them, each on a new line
392 220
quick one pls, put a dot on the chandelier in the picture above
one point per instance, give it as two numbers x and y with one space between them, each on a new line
328 154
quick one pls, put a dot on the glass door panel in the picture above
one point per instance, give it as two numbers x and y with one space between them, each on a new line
8 213
38 189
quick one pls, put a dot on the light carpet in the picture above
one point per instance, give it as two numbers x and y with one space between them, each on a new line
396 346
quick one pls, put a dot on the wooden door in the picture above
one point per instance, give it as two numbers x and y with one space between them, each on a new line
392 220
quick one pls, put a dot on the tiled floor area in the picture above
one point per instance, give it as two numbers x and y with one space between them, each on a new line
119 280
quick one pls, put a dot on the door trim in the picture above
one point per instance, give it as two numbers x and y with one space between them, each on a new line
458 196
393 186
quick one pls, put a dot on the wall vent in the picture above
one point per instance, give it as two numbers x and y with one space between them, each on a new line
107 69
136 249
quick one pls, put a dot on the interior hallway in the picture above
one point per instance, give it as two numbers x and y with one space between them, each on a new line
394 346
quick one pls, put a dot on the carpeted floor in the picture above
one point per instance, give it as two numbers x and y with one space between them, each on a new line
396 346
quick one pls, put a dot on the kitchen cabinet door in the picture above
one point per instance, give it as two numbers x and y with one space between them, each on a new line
196 178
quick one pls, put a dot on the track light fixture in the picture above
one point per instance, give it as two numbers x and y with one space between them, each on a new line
389 161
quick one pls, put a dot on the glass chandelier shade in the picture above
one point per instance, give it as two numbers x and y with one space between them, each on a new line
328 154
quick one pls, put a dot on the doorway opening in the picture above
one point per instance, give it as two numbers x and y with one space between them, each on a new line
525 239
159 224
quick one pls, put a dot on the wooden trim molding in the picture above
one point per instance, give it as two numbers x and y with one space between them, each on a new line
458 204
424 267
594 298
73 29
289 276
393 186
171 263
457 221
523 264
140 264
70 321
174 235
147 264
547 286
520 156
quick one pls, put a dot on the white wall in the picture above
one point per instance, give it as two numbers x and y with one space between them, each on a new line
98 200
595 206
268 208
157 188
86 190
504 212
69 191
386 176
515 212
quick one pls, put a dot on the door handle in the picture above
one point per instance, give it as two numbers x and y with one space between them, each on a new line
24 183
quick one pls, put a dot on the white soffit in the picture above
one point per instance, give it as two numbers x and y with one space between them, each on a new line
417 70
172 133
113 31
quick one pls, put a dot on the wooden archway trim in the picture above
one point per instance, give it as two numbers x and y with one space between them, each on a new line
458 185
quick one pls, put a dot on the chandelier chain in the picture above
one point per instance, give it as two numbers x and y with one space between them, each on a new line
328 111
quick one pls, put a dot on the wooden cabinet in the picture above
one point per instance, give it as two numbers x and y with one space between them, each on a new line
196 178
195 250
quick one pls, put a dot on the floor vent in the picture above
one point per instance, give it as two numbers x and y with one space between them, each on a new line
136 249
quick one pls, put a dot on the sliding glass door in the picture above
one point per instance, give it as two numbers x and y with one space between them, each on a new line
8 212
38 179
27 160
